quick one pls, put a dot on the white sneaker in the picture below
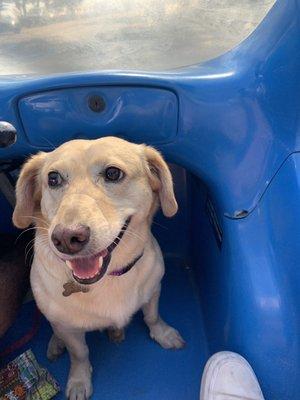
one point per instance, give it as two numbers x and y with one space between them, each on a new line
228 376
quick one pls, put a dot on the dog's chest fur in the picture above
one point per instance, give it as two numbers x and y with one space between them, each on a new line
109 303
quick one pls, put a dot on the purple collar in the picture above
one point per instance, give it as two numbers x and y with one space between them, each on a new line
127 268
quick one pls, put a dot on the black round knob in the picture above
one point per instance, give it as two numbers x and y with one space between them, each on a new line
8 134
96 103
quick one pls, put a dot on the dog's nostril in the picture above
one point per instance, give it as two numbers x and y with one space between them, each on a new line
55 241
55 238
77 239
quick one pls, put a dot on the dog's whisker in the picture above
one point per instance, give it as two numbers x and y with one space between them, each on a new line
130 236
122 242
134 234
160 225
28 252
30 229
29 243
43 241
34 217
31 258
26 230
44 237
40 228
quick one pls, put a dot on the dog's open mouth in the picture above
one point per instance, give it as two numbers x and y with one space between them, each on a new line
88 270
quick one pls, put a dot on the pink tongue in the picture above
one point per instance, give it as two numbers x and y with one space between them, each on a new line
87 267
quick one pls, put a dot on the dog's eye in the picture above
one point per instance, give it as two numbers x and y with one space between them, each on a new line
54 179
113 174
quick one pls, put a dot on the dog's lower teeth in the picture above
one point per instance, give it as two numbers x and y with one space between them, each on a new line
86 277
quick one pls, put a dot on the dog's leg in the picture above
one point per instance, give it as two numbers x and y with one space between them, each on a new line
79 386
55 348
165 335
116 335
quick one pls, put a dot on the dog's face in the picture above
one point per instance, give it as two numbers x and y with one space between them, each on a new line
87 192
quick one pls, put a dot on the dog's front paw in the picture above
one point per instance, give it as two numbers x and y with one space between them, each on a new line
55 348
166 336
79 390
79 386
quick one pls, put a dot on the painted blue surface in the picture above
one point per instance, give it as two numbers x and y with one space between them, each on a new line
135 113
238 137
250 288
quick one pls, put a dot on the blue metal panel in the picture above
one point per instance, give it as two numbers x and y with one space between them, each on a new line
252 283
135 113
238 125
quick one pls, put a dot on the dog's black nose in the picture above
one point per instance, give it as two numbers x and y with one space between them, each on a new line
70 240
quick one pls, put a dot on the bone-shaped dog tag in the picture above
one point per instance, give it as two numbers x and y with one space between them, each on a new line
72 287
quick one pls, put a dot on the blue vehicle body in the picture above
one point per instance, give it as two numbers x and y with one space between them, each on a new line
232 127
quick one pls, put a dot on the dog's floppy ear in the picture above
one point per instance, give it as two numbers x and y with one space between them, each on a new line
27 191
161 181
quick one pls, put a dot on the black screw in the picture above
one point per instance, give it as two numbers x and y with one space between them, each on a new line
96 103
